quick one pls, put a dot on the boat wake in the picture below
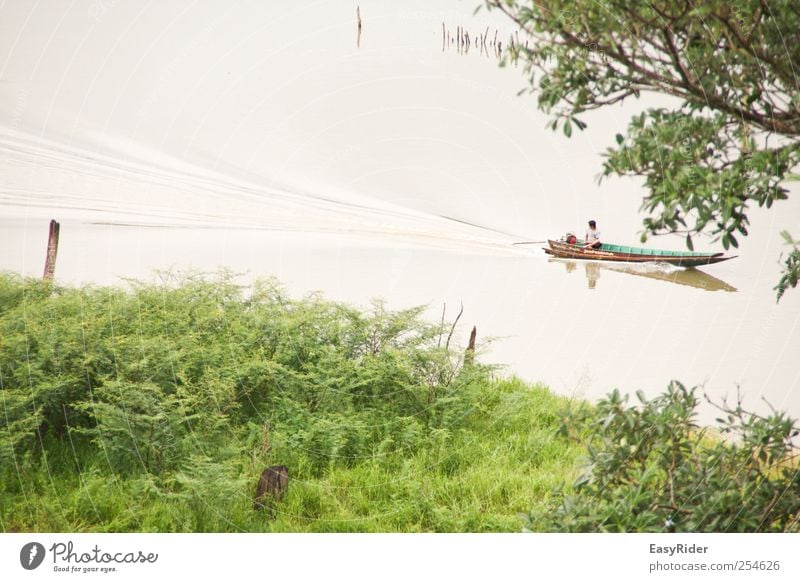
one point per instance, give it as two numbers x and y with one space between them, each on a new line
655 268
124 184
656 271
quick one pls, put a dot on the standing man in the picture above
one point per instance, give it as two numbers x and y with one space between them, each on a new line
593 236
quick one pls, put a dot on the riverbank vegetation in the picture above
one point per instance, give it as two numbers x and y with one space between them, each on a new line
156 407
651 468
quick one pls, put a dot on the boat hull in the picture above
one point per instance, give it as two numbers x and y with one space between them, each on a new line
569 251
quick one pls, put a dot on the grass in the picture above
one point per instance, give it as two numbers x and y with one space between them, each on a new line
477 480
154 408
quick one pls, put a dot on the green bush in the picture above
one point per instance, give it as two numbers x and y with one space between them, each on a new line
651 468
178 394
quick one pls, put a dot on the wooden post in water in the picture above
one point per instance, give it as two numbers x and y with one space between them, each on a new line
52 250
358 16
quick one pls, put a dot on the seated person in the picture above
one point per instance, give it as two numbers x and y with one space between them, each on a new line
593 236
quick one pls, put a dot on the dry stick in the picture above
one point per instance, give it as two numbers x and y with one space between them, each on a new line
452 329
441 325
52 250
358 16
770 506
443 35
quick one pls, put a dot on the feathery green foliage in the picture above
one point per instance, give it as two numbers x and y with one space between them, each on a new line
156 408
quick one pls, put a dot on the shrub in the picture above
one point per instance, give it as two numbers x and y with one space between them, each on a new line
651 468
177 395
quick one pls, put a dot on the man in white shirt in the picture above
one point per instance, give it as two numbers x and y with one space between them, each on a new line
593 236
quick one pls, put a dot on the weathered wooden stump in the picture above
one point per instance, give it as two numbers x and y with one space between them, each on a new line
469 354
52 250
272 486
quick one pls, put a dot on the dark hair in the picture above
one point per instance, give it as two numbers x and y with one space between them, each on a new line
592 223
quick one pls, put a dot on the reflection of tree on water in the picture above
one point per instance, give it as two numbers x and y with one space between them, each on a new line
690 277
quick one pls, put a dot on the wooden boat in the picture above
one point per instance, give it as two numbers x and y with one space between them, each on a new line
610 252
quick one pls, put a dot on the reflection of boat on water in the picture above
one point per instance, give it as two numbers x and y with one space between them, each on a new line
689 277
619 253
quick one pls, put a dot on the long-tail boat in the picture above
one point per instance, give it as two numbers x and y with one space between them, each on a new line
611 252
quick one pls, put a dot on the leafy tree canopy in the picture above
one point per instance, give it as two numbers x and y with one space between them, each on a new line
733 137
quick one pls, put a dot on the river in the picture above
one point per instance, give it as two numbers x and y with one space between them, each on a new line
272 141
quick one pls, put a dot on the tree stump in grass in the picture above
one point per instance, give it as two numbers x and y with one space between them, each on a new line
271 486
52 250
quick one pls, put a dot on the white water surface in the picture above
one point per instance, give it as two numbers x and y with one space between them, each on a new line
259 137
